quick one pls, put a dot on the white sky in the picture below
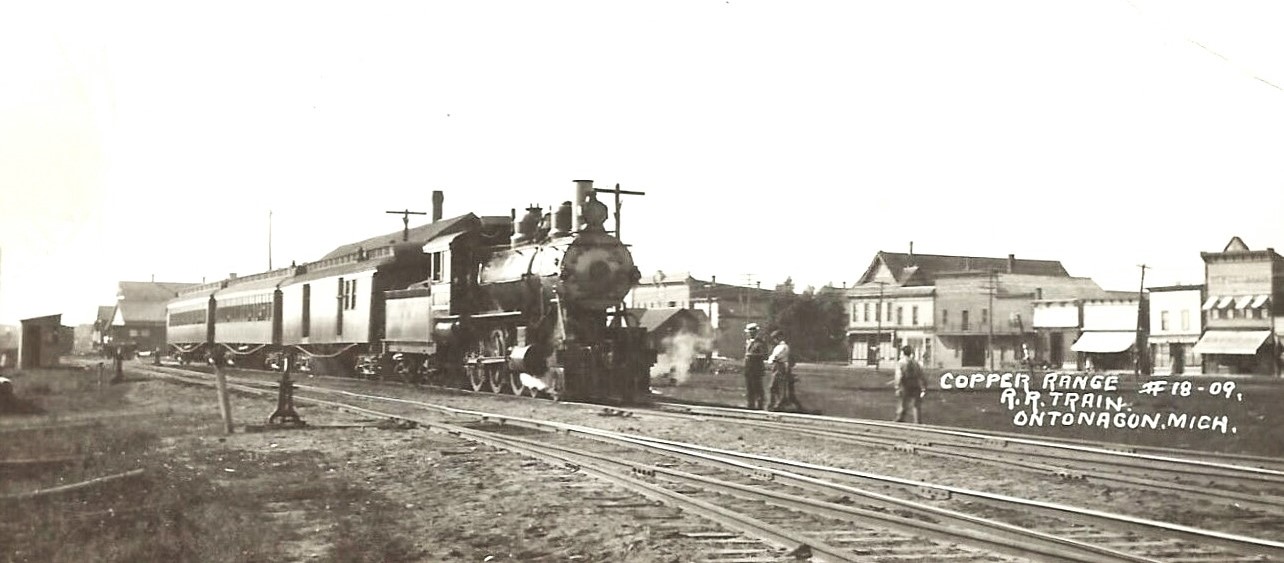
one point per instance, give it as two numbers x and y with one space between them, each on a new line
772 138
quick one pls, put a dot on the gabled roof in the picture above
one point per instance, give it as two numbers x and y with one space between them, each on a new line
421 235
922 269
656 318
150 291
1236 244
132 312
105 313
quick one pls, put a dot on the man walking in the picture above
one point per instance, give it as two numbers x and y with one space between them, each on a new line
782 376
911 385
755 355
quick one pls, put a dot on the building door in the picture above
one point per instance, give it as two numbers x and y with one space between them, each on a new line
1177 352
973 351
1056 350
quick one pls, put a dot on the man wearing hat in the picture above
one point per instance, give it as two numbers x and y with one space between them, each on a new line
782 374
755 354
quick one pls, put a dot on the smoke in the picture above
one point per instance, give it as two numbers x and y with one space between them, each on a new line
677 352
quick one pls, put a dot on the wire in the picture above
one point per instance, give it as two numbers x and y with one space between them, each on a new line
1246 71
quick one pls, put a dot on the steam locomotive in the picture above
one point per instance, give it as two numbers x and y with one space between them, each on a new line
530 306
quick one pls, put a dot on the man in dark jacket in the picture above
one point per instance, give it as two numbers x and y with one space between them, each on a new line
755 355
911 385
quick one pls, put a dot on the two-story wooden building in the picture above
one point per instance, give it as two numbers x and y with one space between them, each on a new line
1244 288
955 311
1113 327
138 320
1176 322
729 307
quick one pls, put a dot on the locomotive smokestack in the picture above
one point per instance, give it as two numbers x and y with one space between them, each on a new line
582 190
437 198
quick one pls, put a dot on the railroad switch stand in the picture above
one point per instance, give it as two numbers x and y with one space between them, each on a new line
285 413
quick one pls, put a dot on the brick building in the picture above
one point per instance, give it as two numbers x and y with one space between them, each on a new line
1244 288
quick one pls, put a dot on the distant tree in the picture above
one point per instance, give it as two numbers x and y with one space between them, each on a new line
814 321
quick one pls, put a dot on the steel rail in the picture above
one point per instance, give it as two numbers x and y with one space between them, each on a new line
1099 518
1265 503
983 534
979 532
1239 471
782 539
1238 543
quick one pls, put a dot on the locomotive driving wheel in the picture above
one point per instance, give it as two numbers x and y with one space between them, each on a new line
473 366
495 374
496 346
515 383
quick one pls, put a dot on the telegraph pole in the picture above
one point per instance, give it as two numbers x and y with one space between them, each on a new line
989 320
618 192
405 220
1138 343
878 338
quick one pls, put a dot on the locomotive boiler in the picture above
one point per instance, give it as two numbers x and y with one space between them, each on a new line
541 312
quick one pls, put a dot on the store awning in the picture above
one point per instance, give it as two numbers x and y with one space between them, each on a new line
1259 301
1225 301
1212 302
1231 341
1243 301
1105 342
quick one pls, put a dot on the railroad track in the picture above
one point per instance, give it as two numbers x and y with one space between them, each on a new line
796 508
1246 482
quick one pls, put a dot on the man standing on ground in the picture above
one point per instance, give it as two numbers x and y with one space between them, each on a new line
755 355
782 376
911 385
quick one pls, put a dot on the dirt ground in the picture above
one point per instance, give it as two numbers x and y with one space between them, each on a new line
350 489
327 493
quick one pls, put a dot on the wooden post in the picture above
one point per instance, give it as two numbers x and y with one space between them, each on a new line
224 406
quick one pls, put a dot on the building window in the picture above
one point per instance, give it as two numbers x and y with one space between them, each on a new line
306 317
914 315
348 294
866 317
985 317
1214 314
965 323
673 303
133 333
436 267
1185 320
900 316
1163 321
945 319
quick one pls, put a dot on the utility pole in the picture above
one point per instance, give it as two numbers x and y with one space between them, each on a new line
1139 343
269 240
991 287
878 338
1275 341
405 220
618 192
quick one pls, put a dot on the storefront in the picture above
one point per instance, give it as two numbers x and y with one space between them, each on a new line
1238 351
1106 350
